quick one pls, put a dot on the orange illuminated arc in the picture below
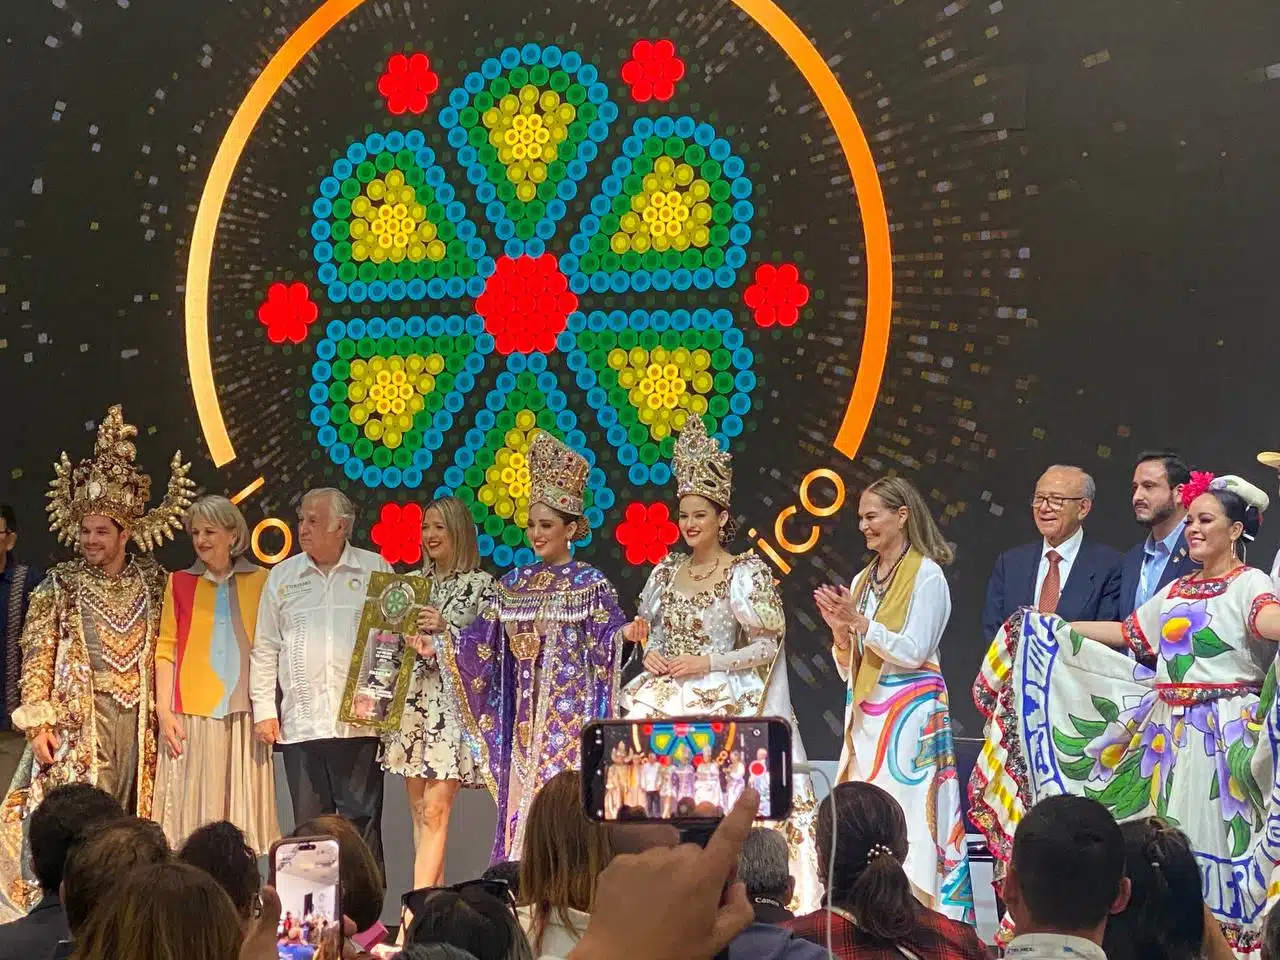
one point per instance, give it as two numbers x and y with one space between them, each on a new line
255 540
784 31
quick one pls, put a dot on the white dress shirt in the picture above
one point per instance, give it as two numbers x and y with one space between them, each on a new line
1275 572
1052 946
1067 550
306 631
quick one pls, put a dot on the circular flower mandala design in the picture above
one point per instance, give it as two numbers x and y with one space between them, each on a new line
497 248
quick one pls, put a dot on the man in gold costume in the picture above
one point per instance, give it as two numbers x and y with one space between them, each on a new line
88 647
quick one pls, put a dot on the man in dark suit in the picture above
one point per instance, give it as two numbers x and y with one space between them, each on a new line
67 816
1065 572
1157 505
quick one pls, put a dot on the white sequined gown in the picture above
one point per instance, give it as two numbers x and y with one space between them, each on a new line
740 624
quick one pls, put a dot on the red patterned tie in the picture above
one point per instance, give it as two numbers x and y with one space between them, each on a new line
1051 589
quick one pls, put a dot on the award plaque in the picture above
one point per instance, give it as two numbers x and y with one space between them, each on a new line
382 662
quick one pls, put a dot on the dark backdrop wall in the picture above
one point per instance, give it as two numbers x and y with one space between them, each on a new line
1081 199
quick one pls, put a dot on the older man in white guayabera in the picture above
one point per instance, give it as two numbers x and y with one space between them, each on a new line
306 631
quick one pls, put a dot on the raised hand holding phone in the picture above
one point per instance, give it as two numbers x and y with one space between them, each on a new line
694 904
685 770
305 874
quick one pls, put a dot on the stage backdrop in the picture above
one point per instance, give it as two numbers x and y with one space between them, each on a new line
375 244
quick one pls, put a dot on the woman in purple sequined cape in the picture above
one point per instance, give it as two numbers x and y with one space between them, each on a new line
542 658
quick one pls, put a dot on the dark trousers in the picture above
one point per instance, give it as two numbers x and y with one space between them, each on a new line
653 803
339 776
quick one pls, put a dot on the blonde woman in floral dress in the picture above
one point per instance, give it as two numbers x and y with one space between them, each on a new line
1194 743
429 749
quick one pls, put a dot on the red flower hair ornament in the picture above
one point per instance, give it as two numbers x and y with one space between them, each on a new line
1198 484
1256 502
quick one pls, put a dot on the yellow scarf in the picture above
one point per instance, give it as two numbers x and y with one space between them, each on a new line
891 611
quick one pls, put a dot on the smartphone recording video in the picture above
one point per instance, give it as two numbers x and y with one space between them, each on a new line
304 872
684 769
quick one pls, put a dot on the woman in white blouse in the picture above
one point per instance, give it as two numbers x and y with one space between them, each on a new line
885 635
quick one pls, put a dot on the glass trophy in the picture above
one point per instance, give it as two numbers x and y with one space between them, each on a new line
382 661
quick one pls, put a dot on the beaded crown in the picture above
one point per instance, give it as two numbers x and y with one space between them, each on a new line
701 467
111 484
557 474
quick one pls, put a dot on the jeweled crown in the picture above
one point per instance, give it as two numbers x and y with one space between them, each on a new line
557 474
110 484
701 467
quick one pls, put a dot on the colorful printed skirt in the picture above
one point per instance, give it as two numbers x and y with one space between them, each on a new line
1068 715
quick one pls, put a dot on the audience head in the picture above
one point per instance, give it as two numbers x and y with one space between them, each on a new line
103 859
219 849
869 831
1062 837
67 815
1271 935
1063 498
325 518
363 889
434 951
1164 918
563 854
473 920
508 871
1157 486
890 511
161 912
764 865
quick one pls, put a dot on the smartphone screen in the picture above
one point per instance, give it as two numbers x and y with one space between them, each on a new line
684 769
304 871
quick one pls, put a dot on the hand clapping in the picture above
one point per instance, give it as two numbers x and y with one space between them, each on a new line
836 606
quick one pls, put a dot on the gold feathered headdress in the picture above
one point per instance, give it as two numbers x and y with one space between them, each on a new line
701 467
110 484
557 474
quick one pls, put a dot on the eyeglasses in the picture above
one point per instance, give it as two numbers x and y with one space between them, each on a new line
413 902
1052 500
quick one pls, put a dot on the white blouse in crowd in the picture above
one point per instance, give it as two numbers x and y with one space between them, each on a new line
306 632
557 938
927 614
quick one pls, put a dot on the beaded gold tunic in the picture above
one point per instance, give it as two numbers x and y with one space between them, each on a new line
85 634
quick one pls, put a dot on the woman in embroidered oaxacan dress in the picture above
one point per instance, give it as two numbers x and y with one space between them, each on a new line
885 633
542 658
716 626
429 750
1194 743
